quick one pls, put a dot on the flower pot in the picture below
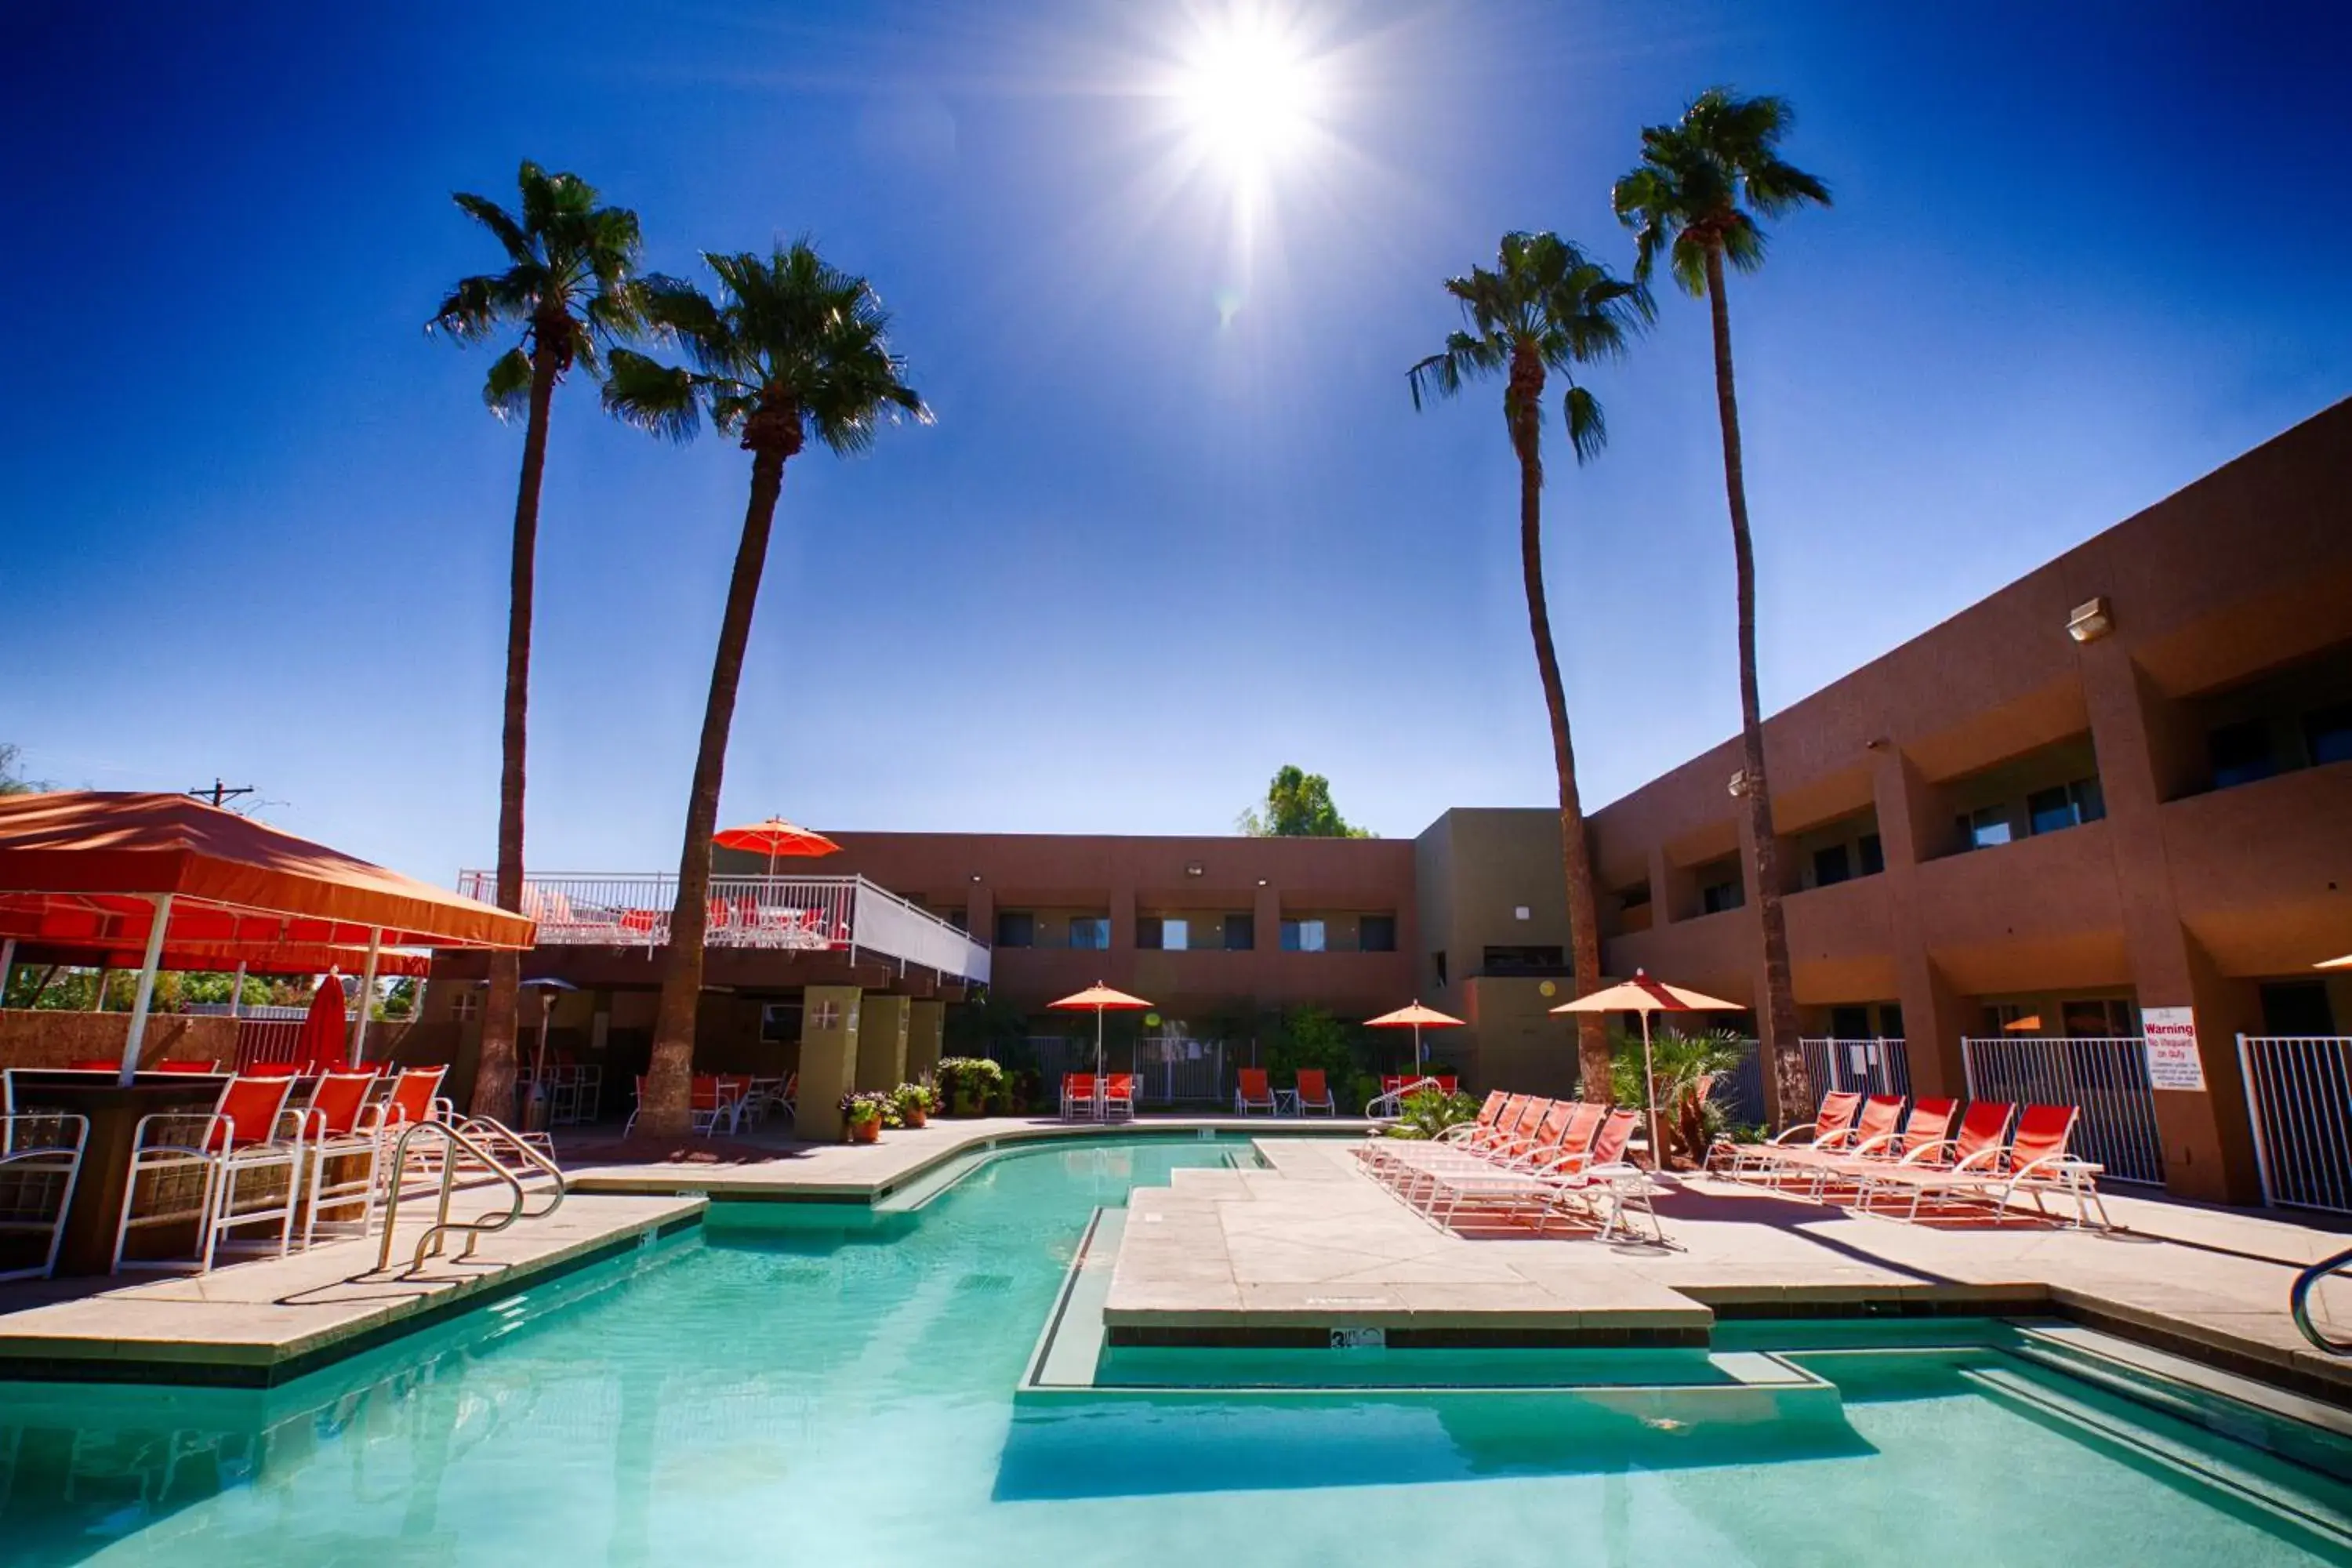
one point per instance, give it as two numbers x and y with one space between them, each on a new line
865 1131
916 1116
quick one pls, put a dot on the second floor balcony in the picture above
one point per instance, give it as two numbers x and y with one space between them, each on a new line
786 914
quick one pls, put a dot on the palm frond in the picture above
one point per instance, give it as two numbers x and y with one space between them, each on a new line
661 400
1587 431
511 235
1703 182
508 390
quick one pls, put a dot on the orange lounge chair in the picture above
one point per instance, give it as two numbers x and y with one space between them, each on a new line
2035 1164
340 1125
1252 1092
248 1134
1078 1096
1313 1092
1118 1095
1829 1125
1928 1125
1881 1114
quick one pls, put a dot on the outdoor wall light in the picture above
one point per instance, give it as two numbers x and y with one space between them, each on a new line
1739 785
1192 867
975 876
2091 621
1261 881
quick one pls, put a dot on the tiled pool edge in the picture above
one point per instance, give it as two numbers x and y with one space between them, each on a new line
51 1358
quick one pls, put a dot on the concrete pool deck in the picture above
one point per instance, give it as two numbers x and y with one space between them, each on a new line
1285 1255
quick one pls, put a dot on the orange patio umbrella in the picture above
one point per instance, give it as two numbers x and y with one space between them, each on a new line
1416 1019
1644 996
1102 999
775 839
2343 963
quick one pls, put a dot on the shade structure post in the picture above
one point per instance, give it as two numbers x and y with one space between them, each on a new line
135 1036
237 992
1098 1041
1649 1096
367 991
98 997
8 966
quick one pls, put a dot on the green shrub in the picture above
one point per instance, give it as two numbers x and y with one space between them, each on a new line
970 1083
1426 1112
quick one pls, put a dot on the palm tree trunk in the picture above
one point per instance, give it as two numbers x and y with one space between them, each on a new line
1576 854
669 1081
1778 1016
494 1071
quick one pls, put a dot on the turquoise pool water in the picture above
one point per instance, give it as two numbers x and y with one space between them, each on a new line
811 1394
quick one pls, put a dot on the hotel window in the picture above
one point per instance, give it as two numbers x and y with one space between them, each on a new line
2098 1020
2066 806
1849 1022
1830 865
465 1005
1241 933
2241 753
2328 734
1438 965
1986 828
1525 960
779 1021
1873 854
1090 931
1716 897
1163 931
1016 928
1378 933
1302 936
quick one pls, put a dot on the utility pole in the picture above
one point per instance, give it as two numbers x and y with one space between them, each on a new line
220 794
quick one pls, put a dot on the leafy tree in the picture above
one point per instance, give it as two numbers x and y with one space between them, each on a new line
1298 805
1315 1037
1689 1068
568 285
1545 309
12 778
1695 197
790 348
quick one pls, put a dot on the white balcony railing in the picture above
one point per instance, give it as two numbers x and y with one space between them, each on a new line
790 914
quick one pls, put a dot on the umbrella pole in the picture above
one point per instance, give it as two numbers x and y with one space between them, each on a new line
1649 1096
1098 1042
367 995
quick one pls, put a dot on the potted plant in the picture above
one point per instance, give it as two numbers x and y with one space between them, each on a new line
970 1082
914 1102
861 1115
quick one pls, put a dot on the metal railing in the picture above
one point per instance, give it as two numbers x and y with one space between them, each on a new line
1877 1065
784 914
2105 1078
2298 1301
2299 1099
473 1141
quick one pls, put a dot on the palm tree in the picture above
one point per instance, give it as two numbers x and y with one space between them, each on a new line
1696 197
569 285
792 348
1545 307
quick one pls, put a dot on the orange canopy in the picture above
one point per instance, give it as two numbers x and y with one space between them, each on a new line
1414 1017
1643 994
84 867
1101 997
197 958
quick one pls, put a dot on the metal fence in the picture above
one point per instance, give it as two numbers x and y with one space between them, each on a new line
2105 1078
2299 1095
1877 1066
1170 1070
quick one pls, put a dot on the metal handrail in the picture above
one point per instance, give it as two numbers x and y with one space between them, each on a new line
500 1131
1394 1099
2298 1301
429 1243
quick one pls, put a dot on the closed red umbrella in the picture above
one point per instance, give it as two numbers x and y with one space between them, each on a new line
325 1030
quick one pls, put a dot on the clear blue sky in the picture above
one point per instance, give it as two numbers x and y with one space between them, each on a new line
1177 523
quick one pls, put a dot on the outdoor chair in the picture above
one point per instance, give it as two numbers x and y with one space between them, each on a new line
1871 1128
1252 1092
1377 1150
1827 1127
40 1160
1313 1092
276 1070
1928 1125
2035 1164
237 1166
1118 1096
1079 1101
342 1147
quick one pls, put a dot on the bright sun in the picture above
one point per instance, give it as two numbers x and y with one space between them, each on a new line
1248 92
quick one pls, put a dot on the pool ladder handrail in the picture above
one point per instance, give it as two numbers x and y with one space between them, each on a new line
455 1139
2299 1302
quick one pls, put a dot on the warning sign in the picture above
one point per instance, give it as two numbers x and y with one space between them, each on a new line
2171 1037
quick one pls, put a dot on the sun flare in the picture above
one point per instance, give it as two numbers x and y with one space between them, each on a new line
1248 91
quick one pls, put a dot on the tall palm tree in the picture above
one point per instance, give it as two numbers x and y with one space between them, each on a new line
792 348
1696 197
1546 308
568 285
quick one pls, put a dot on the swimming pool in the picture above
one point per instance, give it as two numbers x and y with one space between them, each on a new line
835 1386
